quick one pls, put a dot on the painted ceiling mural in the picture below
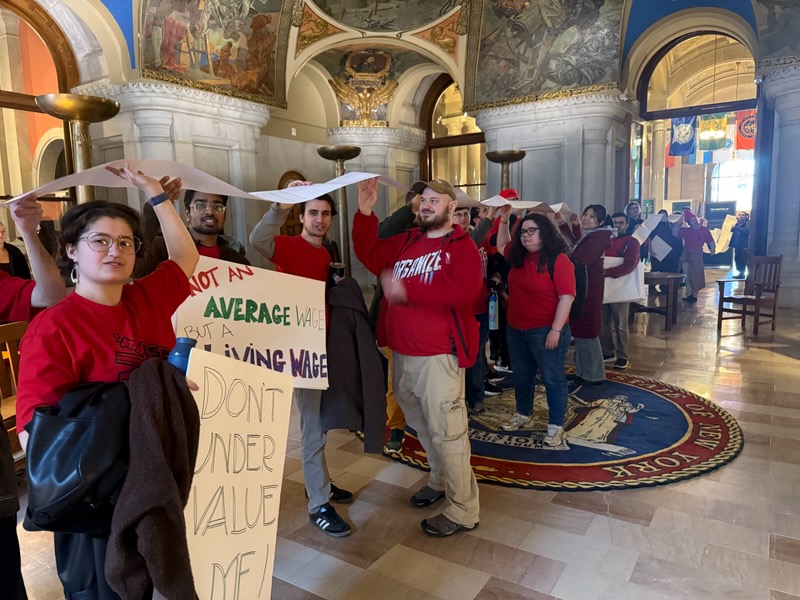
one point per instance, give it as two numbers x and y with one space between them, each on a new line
364 78
386 15
233 47
779 31
523 48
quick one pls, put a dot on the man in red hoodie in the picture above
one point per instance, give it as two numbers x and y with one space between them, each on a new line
431 276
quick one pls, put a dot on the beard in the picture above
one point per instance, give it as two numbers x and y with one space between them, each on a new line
434 222
207 228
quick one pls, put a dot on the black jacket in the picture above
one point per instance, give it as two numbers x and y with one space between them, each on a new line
19 263
356 394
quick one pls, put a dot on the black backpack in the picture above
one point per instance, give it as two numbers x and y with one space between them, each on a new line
581 283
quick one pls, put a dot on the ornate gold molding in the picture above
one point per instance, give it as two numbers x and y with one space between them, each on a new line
443 34
313 28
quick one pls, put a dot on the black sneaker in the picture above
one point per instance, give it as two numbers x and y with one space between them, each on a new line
340 496
395 442
329 521
608 358
337 495
490 390
621 364
501 368
426 496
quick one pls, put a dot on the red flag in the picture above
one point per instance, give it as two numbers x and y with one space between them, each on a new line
669 160
745 129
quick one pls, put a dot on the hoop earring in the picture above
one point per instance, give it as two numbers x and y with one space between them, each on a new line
75 275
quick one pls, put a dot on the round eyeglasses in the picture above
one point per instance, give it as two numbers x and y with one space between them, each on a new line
528 231
102 243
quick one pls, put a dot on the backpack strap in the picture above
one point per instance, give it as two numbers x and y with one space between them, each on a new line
551 265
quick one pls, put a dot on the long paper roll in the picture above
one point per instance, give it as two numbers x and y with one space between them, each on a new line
195 179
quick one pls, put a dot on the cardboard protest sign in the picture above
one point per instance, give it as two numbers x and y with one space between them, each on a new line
268 319
232 513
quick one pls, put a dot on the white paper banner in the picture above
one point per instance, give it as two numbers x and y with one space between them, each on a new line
194 179
232 513
500 201
271 320
643 231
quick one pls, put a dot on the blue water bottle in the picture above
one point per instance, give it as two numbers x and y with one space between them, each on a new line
179 356
494 322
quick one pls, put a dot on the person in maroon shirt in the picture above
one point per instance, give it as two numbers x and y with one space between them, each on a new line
19 299
306 255
694 237
431 277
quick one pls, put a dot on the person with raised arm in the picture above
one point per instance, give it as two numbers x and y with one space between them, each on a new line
20 300
103 331
431 276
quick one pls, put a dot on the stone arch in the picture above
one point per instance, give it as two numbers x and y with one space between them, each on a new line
318 77
45 158
53 36
678 25
415 80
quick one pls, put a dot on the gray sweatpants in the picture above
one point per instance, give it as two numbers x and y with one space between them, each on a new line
615 323
312 442
589 359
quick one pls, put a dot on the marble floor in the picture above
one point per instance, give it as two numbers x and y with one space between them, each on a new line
733 534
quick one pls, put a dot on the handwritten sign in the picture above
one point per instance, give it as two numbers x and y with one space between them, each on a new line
267 319
232 513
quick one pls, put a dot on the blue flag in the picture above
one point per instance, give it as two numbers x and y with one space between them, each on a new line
683 141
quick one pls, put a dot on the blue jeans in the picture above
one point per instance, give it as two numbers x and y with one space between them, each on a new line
529 354
476 373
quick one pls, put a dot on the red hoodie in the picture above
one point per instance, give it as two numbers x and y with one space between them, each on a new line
442 277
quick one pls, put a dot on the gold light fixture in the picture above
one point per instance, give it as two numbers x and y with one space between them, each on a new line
714 132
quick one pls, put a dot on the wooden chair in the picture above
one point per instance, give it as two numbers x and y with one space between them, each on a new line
760 294
10 336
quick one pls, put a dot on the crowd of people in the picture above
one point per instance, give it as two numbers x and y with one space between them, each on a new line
439 268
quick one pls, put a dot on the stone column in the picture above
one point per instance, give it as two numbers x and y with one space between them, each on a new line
657 164
782 90
15 175
384 151
214 133
570 145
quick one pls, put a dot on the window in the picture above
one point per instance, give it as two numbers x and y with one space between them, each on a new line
455 150
733 181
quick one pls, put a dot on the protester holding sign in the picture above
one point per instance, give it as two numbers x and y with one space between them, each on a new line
18 299
431 277
305 255
694 237
103 331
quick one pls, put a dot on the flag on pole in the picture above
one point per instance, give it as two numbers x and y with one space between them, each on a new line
699 158
711 131
726 153
683 140
746 129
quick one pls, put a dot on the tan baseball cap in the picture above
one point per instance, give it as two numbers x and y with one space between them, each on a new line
437 185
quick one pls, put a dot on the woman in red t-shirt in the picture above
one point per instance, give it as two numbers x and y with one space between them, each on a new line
538 310
103 331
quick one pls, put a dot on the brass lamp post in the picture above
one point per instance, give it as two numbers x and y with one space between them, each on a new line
340 154
80 111
505 158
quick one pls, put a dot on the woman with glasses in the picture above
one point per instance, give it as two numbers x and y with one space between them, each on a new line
541 290
103 331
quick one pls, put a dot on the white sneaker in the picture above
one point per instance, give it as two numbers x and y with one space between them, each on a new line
499 366
518 421
555 436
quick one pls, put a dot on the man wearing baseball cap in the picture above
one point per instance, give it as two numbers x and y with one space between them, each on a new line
431 275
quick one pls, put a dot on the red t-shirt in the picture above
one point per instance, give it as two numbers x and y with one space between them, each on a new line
79 341
296 256
532 295
209 251
693 239
15 298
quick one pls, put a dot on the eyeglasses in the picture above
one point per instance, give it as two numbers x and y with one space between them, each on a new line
528 231
102 243
203 206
